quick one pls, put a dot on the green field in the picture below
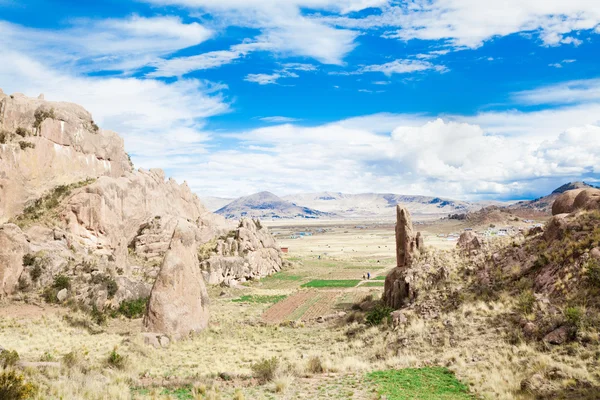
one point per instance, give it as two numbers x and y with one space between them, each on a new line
259 299
379 278
373 284
318 283
430 383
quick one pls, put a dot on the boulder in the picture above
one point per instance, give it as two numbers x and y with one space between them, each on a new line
13 246
556 227
469 241
179 301
62 295
595 253
564 204
557 336
588 199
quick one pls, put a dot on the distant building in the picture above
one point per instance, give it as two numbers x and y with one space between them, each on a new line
285 250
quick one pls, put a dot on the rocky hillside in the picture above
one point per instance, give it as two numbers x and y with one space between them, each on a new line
266 205
84 227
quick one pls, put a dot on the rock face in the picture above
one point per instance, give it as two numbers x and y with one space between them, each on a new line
64 146
179 302
397 289
249 252
12 249
577 199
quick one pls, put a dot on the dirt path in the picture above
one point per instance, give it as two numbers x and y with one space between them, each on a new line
22 311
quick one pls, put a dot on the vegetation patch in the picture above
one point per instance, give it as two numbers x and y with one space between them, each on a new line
378 314
374 284
26 145
133 308
318 283
430 383
41 115
46 205
260 299
379 278
14 387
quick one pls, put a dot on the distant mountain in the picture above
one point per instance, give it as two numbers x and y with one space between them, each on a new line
266 205
212 204
379 205
544 204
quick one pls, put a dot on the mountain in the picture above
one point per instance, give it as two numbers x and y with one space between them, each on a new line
379 205
543 204
266 205
212 204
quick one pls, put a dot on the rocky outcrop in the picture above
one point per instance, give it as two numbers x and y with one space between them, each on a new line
45 144
469 241
397 288
577 199
179 302
13 246
249 252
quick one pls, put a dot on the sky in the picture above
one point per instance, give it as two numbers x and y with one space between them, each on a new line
455 98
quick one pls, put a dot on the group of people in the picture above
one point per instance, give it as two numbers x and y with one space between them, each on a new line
366 276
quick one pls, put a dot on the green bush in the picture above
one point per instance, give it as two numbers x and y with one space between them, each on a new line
40 115
379 313
9 358
266 369
26 145
116 360
22 132
49 295
133 308
592 271
28 260
14 387
574 317
61 282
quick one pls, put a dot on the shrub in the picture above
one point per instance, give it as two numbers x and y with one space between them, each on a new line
14 387
266 369
26 145
526 301
22 132
379 313
592 270
40 115
133 308
28 260
111 288
49 295
116 360
61 282
5 137
314 365
9 358
71 359
98 316
574 317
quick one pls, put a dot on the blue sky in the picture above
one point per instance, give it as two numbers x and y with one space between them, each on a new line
455 98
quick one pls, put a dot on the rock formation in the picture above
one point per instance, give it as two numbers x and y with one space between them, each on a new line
179 302
80 211
44 144
249 252
577 199
468 242
397 289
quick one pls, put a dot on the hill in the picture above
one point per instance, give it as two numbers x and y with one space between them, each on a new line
266 205
212 204
379 205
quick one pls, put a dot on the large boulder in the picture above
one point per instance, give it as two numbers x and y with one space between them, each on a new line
469 241
13 246
179 301
577 199
397 288
556 227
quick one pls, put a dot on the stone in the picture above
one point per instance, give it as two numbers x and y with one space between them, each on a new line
556 227
588 200
564 204
179 302
13 246
397 291
557 336
469 242
62 295
399 318
535 230
595 253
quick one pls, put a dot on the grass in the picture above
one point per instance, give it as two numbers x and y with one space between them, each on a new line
430 383
260 299
379 278
373 284
319 283
281 276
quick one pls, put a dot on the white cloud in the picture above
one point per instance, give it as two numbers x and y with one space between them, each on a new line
404 67
279 119
269 79
555 65
469 23
118 44
571 92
